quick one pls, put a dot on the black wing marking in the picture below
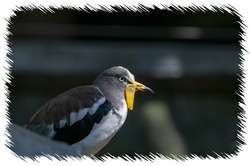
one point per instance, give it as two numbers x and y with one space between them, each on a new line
81 129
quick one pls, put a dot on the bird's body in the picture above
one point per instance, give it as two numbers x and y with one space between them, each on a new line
87 117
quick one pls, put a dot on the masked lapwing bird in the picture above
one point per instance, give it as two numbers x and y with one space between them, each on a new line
87 117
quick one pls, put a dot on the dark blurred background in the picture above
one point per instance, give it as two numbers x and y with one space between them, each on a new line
191 60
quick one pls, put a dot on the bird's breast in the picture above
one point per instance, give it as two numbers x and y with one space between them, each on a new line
102 132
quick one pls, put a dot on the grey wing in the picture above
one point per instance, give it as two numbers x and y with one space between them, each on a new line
66 110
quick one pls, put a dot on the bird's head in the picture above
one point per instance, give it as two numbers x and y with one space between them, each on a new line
118 80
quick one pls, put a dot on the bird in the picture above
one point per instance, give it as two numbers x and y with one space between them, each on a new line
88 116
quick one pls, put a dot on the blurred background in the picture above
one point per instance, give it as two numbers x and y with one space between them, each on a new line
191 61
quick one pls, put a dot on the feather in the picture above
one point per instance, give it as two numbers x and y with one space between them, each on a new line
72 110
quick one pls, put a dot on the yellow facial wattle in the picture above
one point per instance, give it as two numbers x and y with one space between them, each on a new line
130 92
130 95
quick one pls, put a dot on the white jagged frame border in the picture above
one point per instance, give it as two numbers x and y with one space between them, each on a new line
239 8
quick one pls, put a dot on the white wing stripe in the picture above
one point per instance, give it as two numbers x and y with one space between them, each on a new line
76 116
51 133
93 109
62 122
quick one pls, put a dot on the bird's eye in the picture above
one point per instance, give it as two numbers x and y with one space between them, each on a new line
122 78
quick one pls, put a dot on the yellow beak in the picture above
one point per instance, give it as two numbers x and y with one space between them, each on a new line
130 92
